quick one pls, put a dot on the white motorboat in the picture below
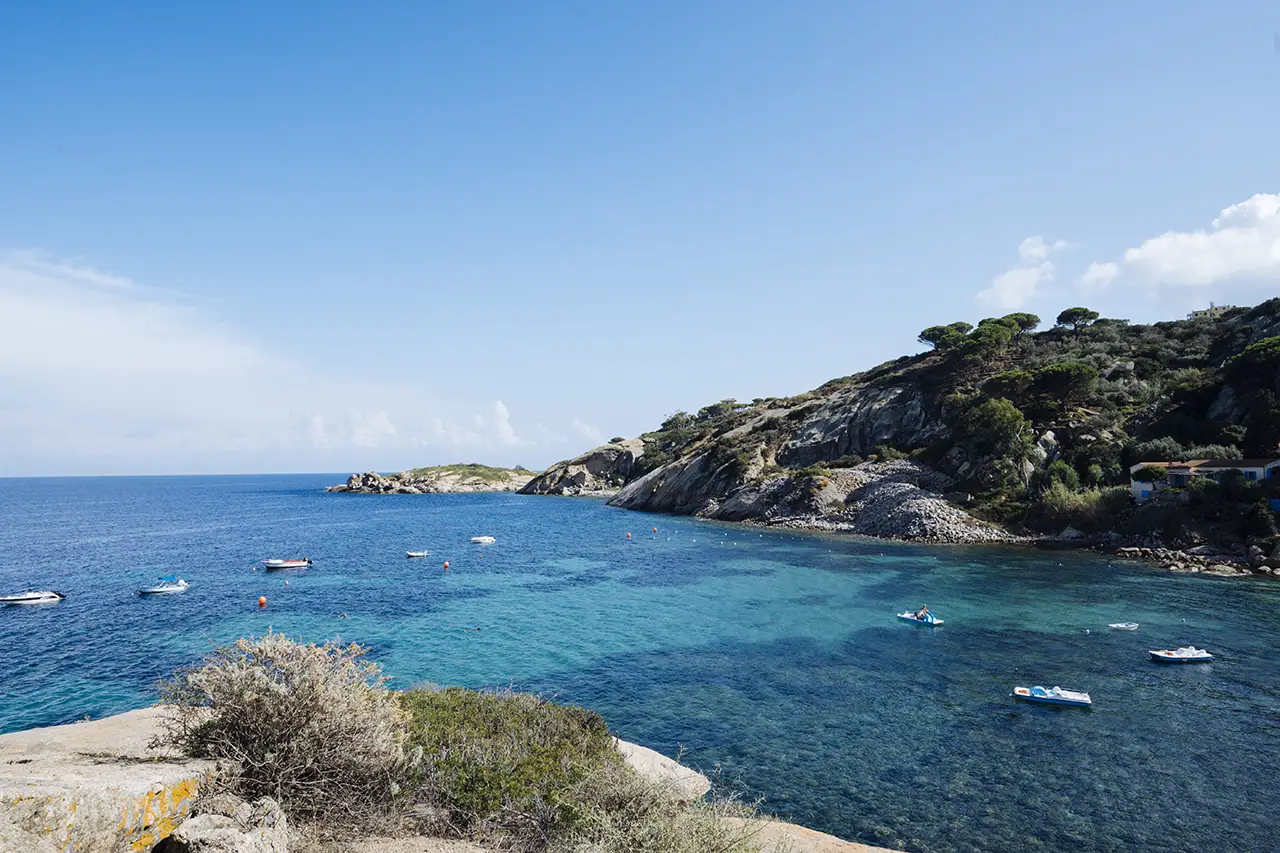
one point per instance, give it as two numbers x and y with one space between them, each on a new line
482 540
287 564
417 553
165 586
1052 696
1182 654
913 616
40 597
1123 626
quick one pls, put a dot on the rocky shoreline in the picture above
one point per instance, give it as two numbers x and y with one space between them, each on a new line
443 479
1207 559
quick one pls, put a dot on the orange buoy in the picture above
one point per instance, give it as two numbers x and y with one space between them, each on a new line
446 565
262 601
628 535
655 530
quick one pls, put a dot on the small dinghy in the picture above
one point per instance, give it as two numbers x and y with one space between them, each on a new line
482 540
41 597
417 554
928 618
1052 696
1183 654
165 586
287 564
1123 626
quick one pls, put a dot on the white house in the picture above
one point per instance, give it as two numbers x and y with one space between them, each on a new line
1181 473
1213 312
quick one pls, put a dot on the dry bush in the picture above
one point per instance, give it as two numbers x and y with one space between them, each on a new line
312 726
621 812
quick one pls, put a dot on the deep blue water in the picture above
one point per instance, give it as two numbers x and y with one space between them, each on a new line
774 656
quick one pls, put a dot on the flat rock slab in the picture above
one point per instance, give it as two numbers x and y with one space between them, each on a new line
94 787
779 837
689 784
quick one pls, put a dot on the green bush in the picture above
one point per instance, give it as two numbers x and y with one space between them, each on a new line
503 762
1091 509
888 453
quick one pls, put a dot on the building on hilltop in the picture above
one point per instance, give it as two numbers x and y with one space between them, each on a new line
1179 474
1213 312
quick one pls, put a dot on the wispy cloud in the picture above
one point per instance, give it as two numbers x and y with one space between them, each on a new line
587 431
99 374
1241 244
1017 286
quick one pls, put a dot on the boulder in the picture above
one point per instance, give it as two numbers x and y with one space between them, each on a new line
603 469
1071 534
1273 561
230 825
94 787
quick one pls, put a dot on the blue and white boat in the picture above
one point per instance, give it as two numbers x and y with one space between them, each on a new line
928 619
1182 654
165 586
1052 696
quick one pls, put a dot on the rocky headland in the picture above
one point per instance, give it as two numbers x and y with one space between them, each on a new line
438 480
998 434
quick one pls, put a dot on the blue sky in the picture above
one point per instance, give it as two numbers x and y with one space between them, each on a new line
330 236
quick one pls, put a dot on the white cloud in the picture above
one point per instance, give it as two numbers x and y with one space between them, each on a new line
502 426
1098 276
588 432
1241 244
1035 250
99 374
1018 285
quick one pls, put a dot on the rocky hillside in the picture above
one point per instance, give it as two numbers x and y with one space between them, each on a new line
442 478
1031 431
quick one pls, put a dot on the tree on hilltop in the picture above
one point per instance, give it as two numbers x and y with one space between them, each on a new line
943 338
1023 321
1077 318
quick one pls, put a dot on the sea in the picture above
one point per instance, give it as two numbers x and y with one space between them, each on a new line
771 660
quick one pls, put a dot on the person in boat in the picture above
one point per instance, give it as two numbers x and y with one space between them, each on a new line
922 613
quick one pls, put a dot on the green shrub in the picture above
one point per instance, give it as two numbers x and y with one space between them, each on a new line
1091 509
888 453
853 460
533 775
503 762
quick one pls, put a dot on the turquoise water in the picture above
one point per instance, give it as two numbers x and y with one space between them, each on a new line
771 656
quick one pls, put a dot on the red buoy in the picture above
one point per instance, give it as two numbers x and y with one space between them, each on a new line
628 535
262 601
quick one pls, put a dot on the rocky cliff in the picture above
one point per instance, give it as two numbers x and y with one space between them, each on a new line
597 472
440 479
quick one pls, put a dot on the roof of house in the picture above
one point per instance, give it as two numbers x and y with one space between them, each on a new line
1236 463
1212 464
